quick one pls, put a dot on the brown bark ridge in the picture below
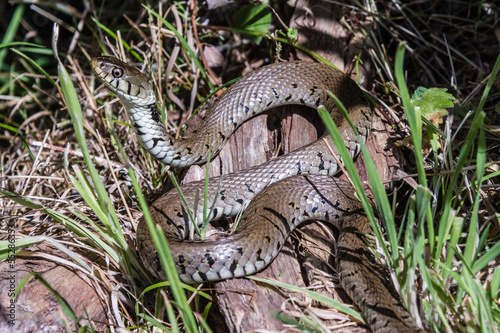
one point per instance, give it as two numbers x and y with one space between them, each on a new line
248 306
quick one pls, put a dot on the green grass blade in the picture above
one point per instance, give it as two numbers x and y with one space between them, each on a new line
444 225
206 218
349 166
10 33
8 249
495 284
488 256
25 44
71 100
157 324
383 204
184 286
489 84
166 259
472 236
413 116
184 201
316 296
34 64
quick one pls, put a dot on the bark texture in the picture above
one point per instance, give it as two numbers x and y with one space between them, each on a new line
36 309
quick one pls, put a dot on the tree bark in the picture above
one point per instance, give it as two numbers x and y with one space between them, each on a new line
36 309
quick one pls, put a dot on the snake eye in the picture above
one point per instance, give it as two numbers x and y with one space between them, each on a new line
117 72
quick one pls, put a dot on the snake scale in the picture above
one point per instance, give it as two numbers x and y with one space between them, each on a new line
283 192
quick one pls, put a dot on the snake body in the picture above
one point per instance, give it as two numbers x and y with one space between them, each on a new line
302 178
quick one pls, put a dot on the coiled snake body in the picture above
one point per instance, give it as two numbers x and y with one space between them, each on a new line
302 178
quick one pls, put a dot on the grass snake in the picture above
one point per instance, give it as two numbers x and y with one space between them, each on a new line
280 194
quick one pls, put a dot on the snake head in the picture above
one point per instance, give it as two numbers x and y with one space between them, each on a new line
128 83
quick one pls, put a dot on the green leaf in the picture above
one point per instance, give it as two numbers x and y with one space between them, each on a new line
495 284
417 94
292 33
432 103
253 18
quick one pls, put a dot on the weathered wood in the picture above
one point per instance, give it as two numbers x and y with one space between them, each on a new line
36 308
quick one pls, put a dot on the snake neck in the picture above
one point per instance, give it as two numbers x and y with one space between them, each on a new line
149 128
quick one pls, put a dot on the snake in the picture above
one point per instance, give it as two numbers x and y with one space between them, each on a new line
278 195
